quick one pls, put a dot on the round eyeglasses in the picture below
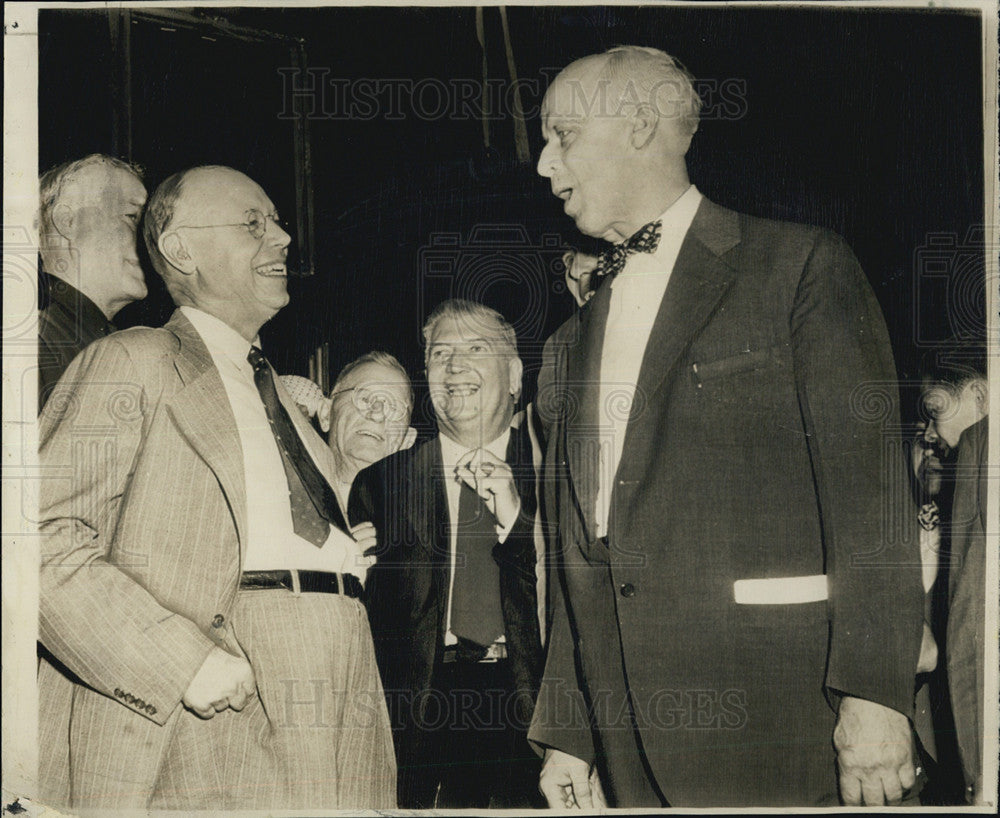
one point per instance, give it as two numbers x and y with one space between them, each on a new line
368 399
255 224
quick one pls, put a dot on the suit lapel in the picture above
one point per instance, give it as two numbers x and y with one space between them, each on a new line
520 458
697 285
583 375
426 508
202 413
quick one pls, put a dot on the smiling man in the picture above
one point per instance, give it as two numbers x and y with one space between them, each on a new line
368 416
88 223
199 585
737 618
453 600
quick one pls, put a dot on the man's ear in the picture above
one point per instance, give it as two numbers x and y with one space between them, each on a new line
515 370
409 439
64 220
981 391
175 251
645 120
323 414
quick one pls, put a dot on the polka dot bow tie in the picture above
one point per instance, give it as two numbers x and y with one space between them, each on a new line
646 240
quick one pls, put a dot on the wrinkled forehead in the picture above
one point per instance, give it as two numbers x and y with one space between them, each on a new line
463 329
219 196
104 185
376 376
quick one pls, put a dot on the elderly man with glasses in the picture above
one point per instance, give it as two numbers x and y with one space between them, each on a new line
200 589
366 417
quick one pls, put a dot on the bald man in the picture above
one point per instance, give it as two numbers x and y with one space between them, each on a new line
738 622
199 585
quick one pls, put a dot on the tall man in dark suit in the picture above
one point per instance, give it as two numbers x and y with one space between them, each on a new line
453 601
200 590
733 598
88 224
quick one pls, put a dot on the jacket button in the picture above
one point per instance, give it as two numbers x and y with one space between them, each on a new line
218 621
150 709
628 590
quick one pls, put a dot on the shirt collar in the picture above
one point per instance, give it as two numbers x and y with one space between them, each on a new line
677 218
220 338
452 451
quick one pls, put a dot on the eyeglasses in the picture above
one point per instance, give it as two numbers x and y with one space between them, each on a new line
256 223
366 399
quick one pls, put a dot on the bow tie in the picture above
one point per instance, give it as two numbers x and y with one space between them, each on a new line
646 240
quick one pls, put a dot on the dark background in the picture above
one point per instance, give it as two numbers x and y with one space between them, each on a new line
868 122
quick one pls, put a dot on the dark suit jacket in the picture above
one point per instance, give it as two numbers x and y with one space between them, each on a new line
966 638
407 590
760 445
67 323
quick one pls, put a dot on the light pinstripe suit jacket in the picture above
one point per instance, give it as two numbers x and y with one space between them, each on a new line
142 514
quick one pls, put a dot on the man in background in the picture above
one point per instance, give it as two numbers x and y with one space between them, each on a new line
88 224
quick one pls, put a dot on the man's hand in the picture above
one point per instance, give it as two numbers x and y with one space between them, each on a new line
493 480
567 782
874 753
222 681
365 536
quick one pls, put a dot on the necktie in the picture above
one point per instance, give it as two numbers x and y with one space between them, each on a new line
475 602
645 240
309 494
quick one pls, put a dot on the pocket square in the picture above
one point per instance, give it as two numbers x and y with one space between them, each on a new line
781 590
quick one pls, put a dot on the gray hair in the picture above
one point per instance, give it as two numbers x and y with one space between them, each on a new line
376 356
159 212
53 182
647 72
478 318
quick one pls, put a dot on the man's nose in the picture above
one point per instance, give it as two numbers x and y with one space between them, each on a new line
547 160
930 433
376 409
277 235
456 361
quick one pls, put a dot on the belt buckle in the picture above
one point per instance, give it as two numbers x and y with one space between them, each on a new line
495 652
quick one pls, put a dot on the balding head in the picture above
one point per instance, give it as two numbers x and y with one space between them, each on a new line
618 126
215 238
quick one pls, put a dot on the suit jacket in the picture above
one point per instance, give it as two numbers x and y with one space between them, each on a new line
66 324
143 523
966 638
407 590
760 445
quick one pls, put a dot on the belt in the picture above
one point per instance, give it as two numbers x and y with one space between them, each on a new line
307 582
467 654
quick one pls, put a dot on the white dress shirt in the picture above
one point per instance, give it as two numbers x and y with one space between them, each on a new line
636 293
271 541
452 454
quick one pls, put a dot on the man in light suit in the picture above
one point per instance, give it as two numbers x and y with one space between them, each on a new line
199 587
454 599
733 597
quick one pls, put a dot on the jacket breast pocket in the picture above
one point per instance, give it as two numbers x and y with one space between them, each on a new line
747 360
